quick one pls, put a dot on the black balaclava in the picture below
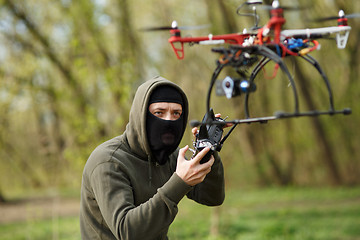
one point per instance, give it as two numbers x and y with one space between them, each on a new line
164 136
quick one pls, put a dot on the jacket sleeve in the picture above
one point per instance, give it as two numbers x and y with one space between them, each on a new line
211 191
126 221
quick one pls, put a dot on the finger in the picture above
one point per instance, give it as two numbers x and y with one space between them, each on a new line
194 131
206 167
201 154
209 163
218 115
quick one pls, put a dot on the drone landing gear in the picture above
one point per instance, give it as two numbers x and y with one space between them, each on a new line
345 111
268 56
237 56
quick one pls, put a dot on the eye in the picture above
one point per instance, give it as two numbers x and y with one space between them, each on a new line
157 113
177 114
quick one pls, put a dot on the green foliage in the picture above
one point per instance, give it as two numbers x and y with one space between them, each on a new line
62 228
69 70
256 214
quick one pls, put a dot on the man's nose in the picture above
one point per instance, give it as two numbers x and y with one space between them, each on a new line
169 116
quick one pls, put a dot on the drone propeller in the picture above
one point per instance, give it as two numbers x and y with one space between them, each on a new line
175 26
286 8
341 15
157 28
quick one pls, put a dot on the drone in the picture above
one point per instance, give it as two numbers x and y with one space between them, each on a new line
256 48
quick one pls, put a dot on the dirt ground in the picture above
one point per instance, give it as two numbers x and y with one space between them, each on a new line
38 208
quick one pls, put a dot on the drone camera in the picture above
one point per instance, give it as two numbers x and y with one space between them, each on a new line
228 87
234 87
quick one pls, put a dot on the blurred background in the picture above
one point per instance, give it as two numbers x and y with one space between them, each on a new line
69 70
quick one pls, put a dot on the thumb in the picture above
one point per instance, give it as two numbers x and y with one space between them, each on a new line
183 151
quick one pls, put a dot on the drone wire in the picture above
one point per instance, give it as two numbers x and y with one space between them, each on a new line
286 50
275 71
303 51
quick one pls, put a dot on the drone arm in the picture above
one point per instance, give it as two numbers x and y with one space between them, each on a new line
342 33
233 38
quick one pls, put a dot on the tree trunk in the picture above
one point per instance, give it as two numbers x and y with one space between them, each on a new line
2 199
327 154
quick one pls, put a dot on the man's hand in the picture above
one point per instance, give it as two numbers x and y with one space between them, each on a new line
191 171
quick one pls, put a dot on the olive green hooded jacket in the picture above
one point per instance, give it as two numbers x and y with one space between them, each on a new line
126 195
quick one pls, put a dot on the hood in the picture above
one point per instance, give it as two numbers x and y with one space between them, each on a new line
136 128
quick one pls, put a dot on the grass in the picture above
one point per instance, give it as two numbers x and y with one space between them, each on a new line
62 228
256 214
277 214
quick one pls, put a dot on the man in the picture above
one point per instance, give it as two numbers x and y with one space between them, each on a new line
133 183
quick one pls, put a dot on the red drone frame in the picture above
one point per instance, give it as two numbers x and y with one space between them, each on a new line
271 43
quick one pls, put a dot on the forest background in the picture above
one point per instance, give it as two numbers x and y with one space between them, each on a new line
69 70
